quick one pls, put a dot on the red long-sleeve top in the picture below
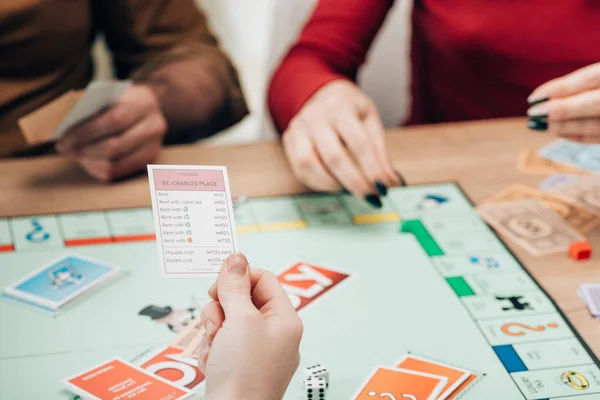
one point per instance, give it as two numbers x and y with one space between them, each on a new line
471 59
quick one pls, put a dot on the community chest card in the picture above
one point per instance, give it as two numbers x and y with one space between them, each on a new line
60 281
117 379
193 217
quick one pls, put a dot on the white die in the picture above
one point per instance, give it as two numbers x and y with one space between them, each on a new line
318 371
316 388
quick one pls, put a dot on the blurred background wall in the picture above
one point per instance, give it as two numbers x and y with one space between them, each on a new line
257 33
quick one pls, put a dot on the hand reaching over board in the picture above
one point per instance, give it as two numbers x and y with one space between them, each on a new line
569 106
251 346
337 141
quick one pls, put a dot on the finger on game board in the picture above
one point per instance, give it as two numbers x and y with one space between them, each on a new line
212 319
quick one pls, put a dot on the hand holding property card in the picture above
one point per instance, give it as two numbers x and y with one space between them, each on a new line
193 217
117 379
53 120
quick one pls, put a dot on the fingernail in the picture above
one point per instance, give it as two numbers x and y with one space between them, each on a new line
381 188
205 349
534 100
212 287
538 110
401 179
237 264
542 118
373 200
209 327
537 125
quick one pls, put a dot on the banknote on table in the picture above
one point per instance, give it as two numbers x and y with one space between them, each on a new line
582 156
575 215
531 163
584 191
556 180
531 225
188 334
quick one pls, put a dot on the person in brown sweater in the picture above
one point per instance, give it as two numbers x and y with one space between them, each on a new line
184 87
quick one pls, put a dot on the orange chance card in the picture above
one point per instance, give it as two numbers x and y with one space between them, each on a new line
462 386
455 376
401 384
116 379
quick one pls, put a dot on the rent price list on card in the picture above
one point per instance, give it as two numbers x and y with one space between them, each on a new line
193 218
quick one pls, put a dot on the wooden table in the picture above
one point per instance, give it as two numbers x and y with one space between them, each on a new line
481 156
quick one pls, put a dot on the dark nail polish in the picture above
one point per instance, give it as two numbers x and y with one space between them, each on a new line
540 101
373 200
401 179
381 188
539 118
537 125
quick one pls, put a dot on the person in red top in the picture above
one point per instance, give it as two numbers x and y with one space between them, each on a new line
471 59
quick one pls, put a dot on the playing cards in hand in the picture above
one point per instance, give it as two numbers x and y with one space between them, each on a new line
530 224
53 120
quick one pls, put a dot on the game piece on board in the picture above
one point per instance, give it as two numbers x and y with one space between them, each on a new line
193 218
530 224
580 251
318 371
316 388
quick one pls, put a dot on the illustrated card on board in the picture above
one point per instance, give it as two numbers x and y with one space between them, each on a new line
401 384
193 217
575 215
455 376
59 282
117 379
530 224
